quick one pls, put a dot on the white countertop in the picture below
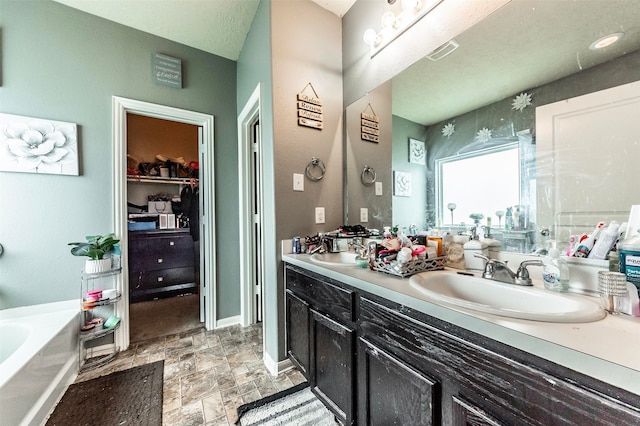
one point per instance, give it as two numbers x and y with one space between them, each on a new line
608 350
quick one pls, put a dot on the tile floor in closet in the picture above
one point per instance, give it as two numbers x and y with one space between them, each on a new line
207 374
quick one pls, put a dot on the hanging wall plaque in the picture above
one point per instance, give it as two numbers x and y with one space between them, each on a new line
309 109
369 125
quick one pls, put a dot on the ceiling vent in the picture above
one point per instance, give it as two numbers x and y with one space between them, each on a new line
443 51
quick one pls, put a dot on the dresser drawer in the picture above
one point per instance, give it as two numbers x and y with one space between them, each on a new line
166 260
161 278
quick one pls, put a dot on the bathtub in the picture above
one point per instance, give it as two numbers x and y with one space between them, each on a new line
38 359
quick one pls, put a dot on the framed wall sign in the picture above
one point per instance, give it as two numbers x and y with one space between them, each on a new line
417 152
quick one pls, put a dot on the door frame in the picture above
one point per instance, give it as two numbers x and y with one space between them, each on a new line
208 285
247 117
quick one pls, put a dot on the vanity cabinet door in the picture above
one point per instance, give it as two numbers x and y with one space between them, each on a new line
298 332
333 365
467 414
390 392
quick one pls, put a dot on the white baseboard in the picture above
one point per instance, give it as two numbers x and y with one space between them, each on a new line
275 368
228 322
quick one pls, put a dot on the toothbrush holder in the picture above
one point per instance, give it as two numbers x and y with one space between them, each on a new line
612 287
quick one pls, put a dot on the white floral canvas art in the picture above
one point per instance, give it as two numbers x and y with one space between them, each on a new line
35 145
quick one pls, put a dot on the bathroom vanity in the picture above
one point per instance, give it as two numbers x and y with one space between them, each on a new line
375 353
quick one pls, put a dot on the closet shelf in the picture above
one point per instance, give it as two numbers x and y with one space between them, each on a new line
158 179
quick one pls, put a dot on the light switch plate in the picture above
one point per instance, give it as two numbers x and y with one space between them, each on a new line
364 214
378 188
319 214
298 182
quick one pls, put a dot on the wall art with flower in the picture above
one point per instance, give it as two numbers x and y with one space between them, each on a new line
34 145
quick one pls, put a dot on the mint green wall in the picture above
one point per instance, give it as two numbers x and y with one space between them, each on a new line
62 64
410 210
254 66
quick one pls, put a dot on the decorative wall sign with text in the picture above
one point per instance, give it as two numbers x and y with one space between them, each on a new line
369 126
309 109
166 70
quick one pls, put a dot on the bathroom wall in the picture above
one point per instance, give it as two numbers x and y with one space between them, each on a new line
63 64
499 114
305 47
254 66
406 210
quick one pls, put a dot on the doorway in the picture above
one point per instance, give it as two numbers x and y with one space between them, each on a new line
251 211
163 230
121 107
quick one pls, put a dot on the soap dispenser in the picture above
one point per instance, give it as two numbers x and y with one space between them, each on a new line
472 247
556 270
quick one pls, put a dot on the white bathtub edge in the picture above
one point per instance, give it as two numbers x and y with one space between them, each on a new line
50 398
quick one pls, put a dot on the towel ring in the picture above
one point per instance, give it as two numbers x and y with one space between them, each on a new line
315 162
368 175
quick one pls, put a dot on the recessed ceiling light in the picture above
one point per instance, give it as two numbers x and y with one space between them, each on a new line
606 41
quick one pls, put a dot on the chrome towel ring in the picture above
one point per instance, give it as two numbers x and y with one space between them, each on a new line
313 164
368 175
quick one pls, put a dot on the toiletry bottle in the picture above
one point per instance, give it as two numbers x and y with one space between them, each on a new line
508 219
604 243
555 271
116 257
586 245
629 254
387 233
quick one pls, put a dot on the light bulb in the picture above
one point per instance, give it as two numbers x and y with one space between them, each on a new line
388 20
370 37
410 5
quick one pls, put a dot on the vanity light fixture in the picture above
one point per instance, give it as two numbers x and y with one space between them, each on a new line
606 41
393 26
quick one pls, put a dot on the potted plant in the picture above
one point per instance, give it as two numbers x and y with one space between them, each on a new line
96 248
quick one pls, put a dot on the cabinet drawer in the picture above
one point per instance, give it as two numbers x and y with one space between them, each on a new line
165 258
161 278
324 296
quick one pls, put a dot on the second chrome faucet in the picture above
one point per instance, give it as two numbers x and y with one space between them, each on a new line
498 270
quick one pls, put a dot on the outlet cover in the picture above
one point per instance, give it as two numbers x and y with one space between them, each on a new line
364 214
319 214
298 182
378 188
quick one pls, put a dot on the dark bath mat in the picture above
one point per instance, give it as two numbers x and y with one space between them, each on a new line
128 397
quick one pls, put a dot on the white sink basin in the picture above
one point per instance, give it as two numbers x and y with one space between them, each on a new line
335 259
507 300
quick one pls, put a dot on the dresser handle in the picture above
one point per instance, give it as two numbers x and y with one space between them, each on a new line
160 279
171 243
159 260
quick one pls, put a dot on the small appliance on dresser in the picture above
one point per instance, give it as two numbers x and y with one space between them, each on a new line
161 264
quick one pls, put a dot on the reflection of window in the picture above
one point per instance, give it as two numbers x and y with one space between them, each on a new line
478 182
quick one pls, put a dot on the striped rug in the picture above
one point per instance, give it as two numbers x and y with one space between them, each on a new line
296 406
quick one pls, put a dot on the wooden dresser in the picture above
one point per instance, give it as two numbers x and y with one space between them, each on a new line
161 264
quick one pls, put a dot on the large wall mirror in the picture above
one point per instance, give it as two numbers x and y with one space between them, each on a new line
482 97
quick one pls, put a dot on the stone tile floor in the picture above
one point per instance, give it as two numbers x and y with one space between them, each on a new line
207 374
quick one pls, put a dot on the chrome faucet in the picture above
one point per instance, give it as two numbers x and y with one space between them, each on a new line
328 244
498 270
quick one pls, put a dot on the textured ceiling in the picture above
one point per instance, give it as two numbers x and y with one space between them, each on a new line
524 44
215 26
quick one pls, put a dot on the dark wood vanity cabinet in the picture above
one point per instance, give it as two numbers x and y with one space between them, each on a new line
161 264
414 369
321 338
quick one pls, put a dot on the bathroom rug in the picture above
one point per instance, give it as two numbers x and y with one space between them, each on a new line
127 397
294 406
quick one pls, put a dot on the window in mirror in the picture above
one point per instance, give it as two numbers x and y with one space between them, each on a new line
484 182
